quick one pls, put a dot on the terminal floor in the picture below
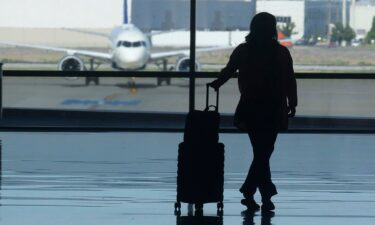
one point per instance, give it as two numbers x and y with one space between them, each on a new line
129 178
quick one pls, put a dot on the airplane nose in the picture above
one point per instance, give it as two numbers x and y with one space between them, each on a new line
131 58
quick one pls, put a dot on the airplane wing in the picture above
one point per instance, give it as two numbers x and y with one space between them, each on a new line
87 32
99 55
186 52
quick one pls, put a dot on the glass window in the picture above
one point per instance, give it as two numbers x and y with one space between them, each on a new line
309 28
111 94
159 25
87 30
331 98
322 36
310 31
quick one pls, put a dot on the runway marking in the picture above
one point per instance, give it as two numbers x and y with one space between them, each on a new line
98 102
106 98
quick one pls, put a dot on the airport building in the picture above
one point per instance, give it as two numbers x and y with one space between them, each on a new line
216 14
60 13
311 17
321 13
286 11
210 14
147 14
362 14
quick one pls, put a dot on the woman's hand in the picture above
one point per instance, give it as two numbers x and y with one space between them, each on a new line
215 84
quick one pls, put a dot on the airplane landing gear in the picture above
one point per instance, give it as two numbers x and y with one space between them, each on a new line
92 68
89 79
161 79
164 68
131 83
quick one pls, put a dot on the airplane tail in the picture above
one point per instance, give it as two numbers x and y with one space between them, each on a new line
127 11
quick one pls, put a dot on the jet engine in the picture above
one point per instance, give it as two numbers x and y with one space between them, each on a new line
71 63
183 65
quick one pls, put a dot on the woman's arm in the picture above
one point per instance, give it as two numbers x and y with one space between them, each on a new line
227 72
291 91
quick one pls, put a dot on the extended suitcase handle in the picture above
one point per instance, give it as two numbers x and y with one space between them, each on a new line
207 98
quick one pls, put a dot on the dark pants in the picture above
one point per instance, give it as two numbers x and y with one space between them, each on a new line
259 175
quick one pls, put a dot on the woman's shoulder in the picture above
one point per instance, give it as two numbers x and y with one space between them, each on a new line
240 50
282 49
241 47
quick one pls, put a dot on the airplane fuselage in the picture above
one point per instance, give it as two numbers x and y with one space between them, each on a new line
130 47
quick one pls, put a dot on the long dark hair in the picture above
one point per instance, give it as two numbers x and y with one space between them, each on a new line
262 42
262 29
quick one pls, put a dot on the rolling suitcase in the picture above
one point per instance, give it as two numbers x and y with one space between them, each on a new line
200 170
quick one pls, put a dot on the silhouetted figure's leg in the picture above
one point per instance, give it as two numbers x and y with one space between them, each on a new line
259 175
263 152
250 185
249 188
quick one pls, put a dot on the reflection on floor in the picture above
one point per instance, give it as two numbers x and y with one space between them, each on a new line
55 204
57 179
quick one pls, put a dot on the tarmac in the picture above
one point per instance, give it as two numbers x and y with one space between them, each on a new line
317 97
130 178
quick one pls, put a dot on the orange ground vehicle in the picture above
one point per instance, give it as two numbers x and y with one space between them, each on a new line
287 42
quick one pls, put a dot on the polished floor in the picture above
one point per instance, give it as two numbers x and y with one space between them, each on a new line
129 178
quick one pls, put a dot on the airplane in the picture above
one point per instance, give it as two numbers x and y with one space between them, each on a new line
130 51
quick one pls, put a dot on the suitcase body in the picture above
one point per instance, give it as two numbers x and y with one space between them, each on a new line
202 127
200 170
200 176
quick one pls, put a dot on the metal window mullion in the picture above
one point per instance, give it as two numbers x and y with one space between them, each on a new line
1 91
192 55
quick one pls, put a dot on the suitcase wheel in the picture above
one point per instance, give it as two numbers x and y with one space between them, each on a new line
177 208
220 206
198 210
198 206
177 213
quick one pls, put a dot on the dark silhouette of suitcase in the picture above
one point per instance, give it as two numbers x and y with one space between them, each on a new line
203 126
200 172
199 220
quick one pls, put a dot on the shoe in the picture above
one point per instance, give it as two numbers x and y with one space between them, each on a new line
268 205
250 204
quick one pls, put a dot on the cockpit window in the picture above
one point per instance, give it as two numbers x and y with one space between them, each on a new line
137 44
131 44
126 44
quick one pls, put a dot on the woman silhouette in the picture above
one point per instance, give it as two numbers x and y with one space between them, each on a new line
268 95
